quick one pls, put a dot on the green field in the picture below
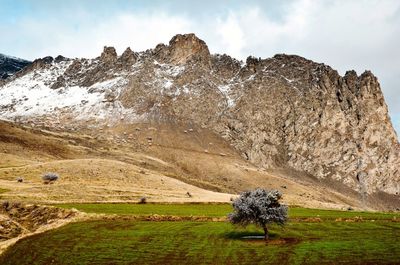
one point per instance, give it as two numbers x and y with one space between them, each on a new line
130 242
374 240
215 210
209 210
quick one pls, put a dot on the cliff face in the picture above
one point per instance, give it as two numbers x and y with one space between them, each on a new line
304 115
281 112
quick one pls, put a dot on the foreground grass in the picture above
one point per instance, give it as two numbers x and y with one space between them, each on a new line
130 242
215 210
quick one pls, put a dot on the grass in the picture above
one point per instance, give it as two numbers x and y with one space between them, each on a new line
298 212
209 210
215 210
3 190
130 242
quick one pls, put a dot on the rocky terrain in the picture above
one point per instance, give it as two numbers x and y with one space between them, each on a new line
17 219
10 65
284 113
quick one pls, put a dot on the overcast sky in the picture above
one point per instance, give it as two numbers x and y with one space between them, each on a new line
344 34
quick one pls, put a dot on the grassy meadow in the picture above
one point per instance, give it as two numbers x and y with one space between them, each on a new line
373 240
130 242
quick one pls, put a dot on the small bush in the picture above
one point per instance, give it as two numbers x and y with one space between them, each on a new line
20 179
143 200
5 205
50 177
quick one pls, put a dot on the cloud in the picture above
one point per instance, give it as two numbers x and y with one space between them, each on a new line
87 38
231 35
344 34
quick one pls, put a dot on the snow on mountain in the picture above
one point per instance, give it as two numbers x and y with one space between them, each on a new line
32 95
82 89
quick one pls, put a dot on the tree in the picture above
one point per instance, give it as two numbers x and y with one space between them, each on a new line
260 207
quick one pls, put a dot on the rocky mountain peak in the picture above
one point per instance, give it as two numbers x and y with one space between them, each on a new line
108 55
39 63
225 66
60 58
128 57
183 48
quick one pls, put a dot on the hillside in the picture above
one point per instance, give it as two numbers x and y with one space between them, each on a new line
125 166
213 122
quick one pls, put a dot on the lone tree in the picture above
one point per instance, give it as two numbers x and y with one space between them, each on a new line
260 207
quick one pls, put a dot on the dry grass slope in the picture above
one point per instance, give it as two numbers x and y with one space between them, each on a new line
157 160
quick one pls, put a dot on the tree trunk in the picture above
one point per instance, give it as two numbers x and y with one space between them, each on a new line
265 232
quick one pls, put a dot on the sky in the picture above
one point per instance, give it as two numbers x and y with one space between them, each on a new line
358 34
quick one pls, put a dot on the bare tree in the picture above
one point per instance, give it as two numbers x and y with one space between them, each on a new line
260 207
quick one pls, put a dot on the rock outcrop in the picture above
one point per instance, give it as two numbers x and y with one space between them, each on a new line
128 58
109 55
184 48
282 112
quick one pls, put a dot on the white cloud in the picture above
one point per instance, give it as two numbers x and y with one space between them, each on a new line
87 38
231 35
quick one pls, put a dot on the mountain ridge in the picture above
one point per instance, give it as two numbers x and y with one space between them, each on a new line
9 65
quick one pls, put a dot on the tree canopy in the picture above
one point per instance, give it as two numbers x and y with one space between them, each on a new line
260 207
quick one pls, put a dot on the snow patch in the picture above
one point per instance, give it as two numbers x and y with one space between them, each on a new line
287 79
168 69
31 95
168 84
226 91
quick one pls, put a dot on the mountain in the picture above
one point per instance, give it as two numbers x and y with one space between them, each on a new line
284 114
10 65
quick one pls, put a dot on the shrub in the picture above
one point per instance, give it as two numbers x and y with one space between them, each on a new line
50 177
143 200
5 205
